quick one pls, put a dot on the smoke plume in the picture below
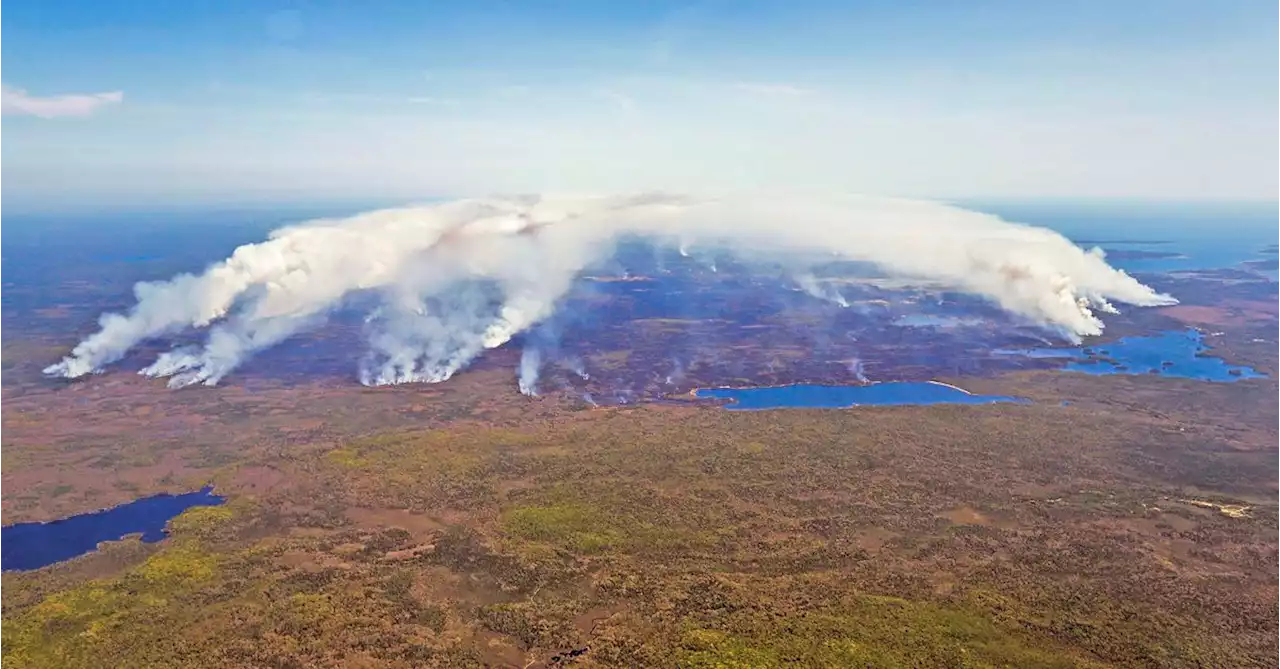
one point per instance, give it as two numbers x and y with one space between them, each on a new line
810 285
530 363
857 370
457 278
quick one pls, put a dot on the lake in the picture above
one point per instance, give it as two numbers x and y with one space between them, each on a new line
1175 235
1179 354
27 546
809 396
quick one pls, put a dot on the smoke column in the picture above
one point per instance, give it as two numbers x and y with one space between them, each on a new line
578 367
810 285
530 362
457 278
857 370
676 374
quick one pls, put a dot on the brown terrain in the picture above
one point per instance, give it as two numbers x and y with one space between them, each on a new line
466 525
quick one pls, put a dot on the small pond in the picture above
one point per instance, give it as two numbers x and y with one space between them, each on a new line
26 546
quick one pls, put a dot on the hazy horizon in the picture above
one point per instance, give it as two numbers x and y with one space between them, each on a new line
319 206
979 101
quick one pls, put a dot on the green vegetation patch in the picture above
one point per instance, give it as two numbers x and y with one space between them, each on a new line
85 624
202 522
601 516
179 566
868 631
461 451
88 623
347 457
576 525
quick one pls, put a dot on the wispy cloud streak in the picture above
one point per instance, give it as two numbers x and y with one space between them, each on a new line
18 102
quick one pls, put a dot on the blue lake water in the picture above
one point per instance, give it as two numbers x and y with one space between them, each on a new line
1178 354
1193 232
26 546
835 397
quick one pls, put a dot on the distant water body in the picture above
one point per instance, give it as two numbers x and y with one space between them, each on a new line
806 396
1190 236
27 546
1179 354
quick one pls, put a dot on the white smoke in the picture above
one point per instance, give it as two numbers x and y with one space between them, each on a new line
856 369
578 367
676 374
823 291
530 364
458 278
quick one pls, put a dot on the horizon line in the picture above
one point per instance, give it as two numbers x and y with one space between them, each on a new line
267 204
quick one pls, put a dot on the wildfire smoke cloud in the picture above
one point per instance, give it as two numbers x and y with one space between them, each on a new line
460 277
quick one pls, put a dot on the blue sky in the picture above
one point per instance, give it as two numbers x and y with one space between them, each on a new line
143 101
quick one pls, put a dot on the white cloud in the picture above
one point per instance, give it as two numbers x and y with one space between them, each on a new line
15 101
